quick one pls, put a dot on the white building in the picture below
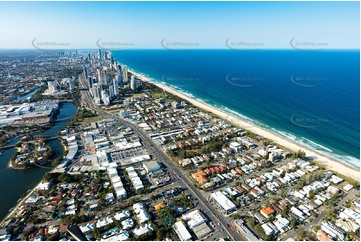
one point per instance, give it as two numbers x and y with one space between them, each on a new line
194 218
151 166
223 202
269 228
134 178
141 213
133 83
116 87
53 87
235 146
142 229
182 231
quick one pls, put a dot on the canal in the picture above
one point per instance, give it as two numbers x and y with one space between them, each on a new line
15 183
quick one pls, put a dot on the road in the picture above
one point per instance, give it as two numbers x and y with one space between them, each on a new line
204 204
307 227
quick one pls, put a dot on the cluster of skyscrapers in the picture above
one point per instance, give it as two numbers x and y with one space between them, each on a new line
109 77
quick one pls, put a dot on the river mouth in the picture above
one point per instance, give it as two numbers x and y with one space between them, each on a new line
15 183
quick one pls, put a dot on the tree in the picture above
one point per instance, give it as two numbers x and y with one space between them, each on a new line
161 232
292 223
65 178
301 234
236 216
96 233
53 237
57 161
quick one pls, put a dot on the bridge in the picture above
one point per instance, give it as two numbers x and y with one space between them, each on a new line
28 141
63 119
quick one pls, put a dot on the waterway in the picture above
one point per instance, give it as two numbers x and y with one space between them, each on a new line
30 94
15 183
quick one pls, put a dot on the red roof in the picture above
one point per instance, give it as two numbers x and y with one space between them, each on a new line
267 210
238 170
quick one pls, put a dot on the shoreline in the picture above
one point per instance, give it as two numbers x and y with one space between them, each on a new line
28 193
19 204
331 163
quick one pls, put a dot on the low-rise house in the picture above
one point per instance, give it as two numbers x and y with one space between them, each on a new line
259 217
142 229
282 224
322 236
298 213
267 212
200 177
269 228
332 230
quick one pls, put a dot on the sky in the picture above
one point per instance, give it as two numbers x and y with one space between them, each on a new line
156 25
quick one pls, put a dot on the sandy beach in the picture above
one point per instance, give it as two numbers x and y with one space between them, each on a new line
329 162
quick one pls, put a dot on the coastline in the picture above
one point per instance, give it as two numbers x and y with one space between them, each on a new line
331 163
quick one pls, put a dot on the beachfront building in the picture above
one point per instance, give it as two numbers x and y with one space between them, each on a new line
133 83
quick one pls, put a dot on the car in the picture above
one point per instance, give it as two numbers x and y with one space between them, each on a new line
219 224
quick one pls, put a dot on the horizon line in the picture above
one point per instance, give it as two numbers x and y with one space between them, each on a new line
175 49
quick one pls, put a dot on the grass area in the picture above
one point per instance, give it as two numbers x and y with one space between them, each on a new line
157 94
91 119
115 110
138 95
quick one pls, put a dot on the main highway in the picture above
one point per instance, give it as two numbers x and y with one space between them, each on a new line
205 205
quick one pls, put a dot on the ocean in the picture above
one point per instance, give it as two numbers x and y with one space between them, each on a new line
311 97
